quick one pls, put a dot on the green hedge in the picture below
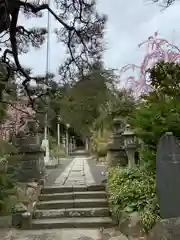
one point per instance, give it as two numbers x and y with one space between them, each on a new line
133 190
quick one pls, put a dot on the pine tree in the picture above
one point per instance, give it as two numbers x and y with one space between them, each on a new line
80 30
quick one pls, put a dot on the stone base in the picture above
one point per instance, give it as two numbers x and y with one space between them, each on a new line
116 157
130 225
168 229
17 220
26 221
22 220
5 222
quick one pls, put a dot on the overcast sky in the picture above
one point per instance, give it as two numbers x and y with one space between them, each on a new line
129 23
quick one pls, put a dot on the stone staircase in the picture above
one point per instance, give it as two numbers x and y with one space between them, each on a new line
72 207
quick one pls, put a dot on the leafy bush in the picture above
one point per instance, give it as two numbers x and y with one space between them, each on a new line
7 191
133 190
148 158
8 167
99 142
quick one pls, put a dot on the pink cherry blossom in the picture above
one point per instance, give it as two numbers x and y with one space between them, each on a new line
158 49
16 117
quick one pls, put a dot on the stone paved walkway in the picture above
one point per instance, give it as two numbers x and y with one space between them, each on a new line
53 174
77 172
97 170
64 234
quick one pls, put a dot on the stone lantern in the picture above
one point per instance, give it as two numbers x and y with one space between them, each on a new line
130 145
116 154
30 153
118 126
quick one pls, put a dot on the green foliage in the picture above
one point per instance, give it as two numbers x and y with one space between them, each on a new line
81 103
148 158
7 190
165 78
3 110
7 181
6 148
151 120
56 151
133 190
122 103
99 141
160 110
119 103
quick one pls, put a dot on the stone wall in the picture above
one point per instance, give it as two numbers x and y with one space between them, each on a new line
28 195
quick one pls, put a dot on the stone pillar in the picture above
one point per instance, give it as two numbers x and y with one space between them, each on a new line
64 142
87 144
47 153
30 153
74 143
131 159
67 143
71 145
116 154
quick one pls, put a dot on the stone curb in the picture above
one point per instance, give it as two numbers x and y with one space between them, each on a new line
5 221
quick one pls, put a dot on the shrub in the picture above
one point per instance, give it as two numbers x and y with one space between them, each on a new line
133 190
148 158
99 142
8 167
7 191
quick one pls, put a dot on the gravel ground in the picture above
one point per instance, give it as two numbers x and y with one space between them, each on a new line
53 174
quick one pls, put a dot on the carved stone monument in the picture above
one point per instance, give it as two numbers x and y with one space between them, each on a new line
116 154
168 176
30 153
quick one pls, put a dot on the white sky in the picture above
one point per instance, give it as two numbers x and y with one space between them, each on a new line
129 23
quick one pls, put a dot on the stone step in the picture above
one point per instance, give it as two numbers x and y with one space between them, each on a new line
72 212
72 195
73 222
76 203
57 189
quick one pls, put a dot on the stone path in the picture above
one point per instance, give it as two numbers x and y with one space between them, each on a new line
64 234
97 170
54 173
78 172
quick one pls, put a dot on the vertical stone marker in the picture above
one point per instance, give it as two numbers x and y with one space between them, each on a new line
168 176
30 152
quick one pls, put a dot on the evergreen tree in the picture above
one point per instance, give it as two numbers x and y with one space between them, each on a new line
80 30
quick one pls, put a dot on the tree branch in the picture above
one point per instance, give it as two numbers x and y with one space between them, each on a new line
36 9
80 36
164 3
